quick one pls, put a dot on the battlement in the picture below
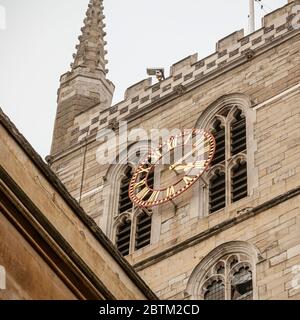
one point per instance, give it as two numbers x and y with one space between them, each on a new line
189 71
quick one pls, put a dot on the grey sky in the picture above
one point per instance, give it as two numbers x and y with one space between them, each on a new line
40 36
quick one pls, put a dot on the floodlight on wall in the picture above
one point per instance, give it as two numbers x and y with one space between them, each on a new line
159 73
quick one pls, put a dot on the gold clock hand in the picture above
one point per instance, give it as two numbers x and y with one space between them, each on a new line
187 167
184 167
186 156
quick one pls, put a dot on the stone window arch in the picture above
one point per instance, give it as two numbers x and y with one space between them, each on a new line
226 273
231 120
128 226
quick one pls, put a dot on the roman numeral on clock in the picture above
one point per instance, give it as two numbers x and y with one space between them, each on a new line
143 193
187 180
170 191
154 196
144 170
139 184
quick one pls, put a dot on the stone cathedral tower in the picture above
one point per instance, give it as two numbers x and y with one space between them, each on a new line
86 85
236 233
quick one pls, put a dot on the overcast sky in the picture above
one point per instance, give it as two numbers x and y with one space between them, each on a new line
37 44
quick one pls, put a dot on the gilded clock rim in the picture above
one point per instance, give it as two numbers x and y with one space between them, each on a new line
148 204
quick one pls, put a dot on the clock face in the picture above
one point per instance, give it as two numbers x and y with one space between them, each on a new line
176 164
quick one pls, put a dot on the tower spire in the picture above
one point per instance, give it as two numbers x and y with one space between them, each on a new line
91 48
86 86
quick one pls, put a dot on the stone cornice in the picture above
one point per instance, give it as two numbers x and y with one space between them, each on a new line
247 214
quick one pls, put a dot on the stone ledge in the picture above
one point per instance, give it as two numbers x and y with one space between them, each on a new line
216 229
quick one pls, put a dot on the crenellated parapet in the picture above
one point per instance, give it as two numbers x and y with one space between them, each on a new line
190 72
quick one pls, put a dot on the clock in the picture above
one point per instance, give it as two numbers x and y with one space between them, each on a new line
176 164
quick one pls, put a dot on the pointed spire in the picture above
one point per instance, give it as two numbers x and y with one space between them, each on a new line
91 48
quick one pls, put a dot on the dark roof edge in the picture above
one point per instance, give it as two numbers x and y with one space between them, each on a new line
88 222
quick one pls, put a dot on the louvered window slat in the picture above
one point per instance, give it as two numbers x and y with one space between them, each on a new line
143 231
127 206
239 142
123 192
144 223
238 134
217 207
217 195
125 203
219 134
239 182
216 185
124 232
123 238
145 235
143 244
123 246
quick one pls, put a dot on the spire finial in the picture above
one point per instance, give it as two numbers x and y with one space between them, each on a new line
91 48
251 16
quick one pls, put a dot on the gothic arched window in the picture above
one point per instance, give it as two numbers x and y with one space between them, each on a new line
229 129
230 278
133 225
226 273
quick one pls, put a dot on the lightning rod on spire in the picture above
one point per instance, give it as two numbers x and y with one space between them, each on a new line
251 16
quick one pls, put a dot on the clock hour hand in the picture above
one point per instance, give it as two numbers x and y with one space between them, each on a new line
185 167
189 166
179 162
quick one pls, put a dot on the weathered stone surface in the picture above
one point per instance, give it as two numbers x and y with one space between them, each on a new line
264 68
